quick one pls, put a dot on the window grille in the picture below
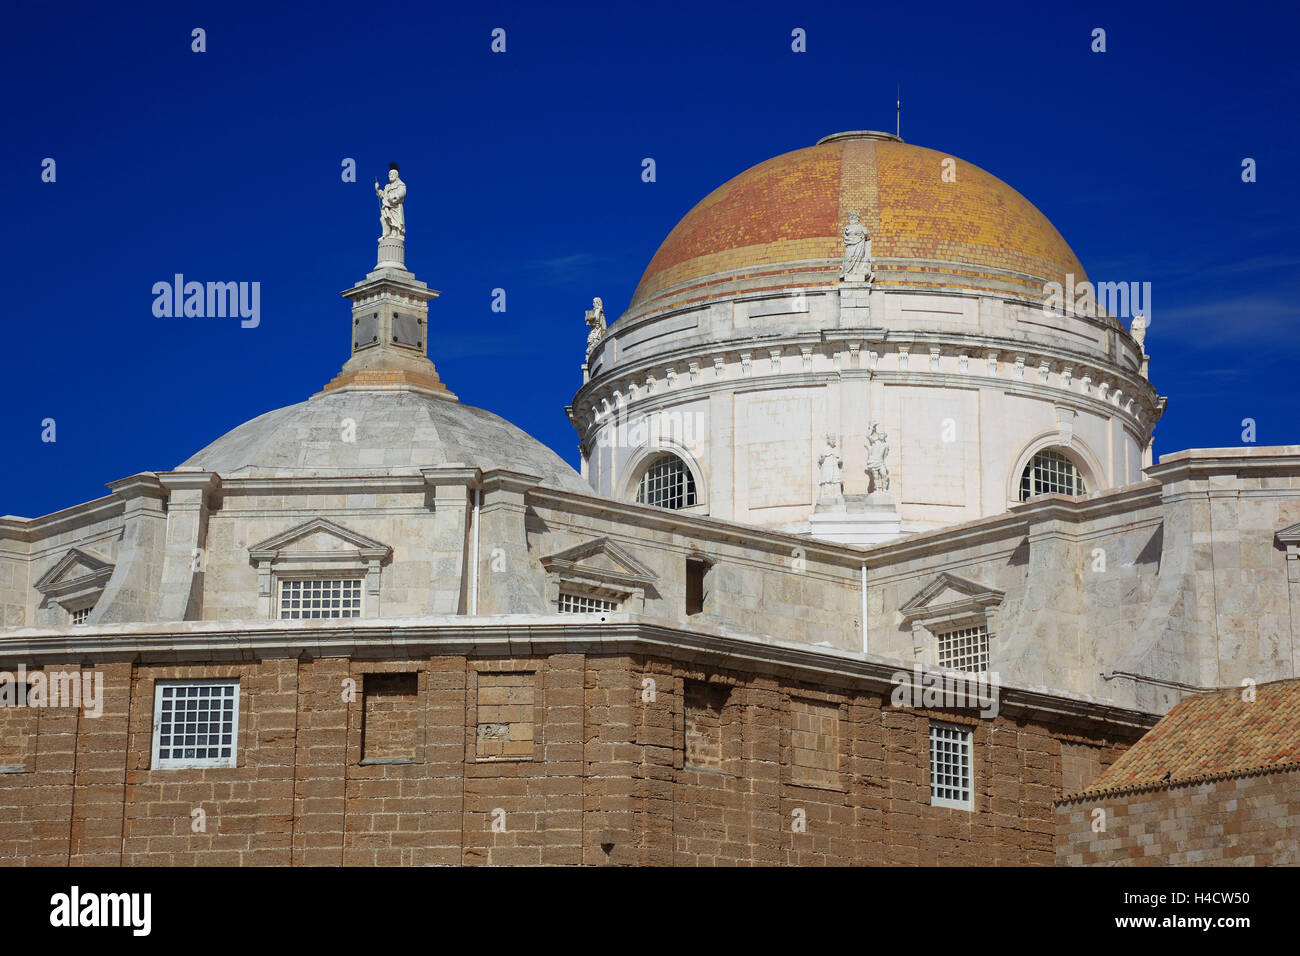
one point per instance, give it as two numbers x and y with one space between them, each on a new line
584 604
195 723
320 598
667 483
950 767
965 650
1050 473
81 615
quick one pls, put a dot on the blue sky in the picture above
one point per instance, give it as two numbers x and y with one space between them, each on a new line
524 173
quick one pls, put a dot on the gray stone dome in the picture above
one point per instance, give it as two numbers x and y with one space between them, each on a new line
397 430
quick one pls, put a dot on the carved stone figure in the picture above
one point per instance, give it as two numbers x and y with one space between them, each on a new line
877 451
596 322
857 251
830 473
1139 331
392 215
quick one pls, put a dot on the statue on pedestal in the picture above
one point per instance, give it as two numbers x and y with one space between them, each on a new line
877 451
857 251
392 215
830 474
596 322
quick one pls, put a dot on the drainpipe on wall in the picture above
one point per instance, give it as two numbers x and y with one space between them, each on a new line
473 562
864 608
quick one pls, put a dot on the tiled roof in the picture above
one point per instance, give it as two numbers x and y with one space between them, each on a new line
1211 736
794 207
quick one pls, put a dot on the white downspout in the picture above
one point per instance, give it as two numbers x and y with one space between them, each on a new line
473 561
864 608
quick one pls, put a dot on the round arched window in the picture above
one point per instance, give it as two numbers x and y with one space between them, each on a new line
1051 473
667 483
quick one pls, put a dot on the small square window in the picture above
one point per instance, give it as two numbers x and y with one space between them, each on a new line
950 767
195 724
571 603
965 650
320 598
80 616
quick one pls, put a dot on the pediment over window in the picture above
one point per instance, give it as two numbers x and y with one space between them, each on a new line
319 538
77 576
1289 538
600 568
600 559
948 595
314 549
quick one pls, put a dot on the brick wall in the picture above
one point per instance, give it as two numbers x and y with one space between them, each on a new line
602 759
1238 821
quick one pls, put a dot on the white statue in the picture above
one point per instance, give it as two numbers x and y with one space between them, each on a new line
830 473
596 322
877 451
857 251
1138 330
392 215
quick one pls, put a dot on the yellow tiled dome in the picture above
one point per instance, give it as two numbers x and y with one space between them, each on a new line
774 220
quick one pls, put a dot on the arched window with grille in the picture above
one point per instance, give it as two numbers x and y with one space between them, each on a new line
1051 473
667 483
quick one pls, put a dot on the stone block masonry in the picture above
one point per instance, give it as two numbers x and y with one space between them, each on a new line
562 758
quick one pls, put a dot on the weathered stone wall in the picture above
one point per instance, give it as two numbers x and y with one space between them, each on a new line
1236 821
603 777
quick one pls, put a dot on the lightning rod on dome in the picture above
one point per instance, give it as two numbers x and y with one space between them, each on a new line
898 116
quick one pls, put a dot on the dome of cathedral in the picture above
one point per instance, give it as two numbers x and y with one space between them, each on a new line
936 222
396 431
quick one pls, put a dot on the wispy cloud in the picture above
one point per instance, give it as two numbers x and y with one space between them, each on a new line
1261 319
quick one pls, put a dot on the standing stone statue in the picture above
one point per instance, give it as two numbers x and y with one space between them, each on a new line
877 451
392 215
1138 330
857 251
596 322
830 473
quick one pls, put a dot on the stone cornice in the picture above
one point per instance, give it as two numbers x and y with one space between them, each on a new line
15 528
1202 463
631 514
513 635
619 379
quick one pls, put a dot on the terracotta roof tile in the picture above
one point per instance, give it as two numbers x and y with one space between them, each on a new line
1211 736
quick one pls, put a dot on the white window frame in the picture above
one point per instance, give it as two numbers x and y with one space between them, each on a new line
1048 457
83 610
182 763
967 736
280 582
950 632
607 605
689 487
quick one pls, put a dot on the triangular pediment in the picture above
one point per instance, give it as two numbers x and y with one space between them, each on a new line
76 569
319 536
947 593
601 559
1290 534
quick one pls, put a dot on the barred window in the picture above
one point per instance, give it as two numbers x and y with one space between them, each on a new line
667 483
1050 473
81 615
195 723
950 767
320 597
965 650
584 604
